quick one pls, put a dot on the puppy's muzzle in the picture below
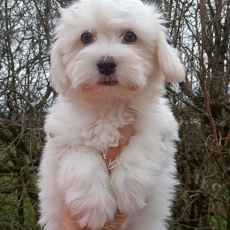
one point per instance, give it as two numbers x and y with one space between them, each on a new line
106 65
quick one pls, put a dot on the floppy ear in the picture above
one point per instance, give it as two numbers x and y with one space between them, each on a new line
169 61
59 79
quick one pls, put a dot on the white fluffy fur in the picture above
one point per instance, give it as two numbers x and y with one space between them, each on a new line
84 120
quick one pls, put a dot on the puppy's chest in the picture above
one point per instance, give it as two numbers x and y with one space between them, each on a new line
100 133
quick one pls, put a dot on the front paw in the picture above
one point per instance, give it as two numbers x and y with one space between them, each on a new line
131 192
92 209
85 185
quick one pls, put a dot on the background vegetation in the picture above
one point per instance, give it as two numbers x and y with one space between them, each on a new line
200 29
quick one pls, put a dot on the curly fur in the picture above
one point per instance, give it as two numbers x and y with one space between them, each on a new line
85 118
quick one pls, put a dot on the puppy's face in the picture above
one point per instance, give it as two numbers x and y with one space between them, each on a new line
111 49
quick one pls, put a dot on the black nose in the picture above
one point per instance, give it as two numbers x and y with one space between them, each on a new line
106 65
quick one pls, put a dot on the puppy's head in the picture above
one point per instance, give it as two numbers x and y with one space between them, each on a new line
111 49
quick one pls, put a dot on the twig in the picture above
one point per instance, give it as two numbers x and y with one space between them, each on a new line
203 78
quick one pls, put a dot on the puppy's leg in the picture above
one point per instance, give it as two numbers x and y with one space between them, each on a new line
135 174
157 211
84 179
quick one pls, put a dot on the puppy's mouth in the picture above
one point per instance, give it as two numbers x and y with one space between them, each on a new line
108 80
108 83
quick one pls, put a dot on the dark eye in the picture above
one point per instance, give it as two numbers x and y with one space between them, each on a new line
130 37
87 38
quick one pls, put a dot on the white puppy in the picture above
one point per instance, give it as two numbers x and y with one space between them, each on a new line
108 56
